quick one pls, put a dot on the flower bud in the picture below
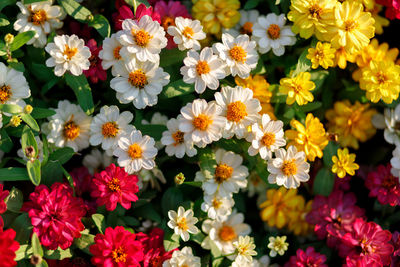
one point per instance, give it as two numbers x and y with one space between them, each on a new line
36 259
28 109
179 178
9 38
30 152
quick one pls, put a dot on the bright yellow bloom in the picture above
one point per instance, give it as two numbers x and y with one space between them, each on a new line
310 138
216 14
354 27
344 163
352 123
341 57
381 80
298 224
380 21
259 85
298 88
312 17
321 55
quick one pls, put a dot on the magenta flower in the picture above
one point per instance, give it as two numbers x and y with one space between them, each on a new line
95 71
3 205
392 8
383 185
125 12
8 247
306 259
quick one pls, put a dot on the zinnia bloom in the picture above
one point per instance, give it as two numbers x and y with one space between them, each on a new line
344 163
8 247
392 8
322 55
298 89
384 186
95 71
307 258
125 12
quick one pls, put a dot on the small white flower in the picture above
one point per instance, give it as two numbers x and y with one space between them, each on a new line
144 39
108 126
13 86
240 109
135 152
70 126
96 161
217 208
266 137
68 53
110 54
201 122
277 245
395 162
390 122
245 248
288 168
139 83
183 257
204 69
187 33
246 23
270 32
39 153
238 53
183 222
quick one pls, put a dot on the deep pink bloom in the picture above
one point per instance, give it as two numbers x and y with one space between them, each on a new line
142 10
114 185
82 180
392 8
396 254
368 245
8 247
116 248
3 205
95 71
307 258
333 216
383 185
55 215
125 12
80 29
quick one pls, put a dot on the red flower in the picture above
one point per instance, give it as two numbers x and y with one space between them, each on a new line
95 71
368 244
142 10
55 215
392 8
396 254
117 247
3 206
383 185
113 186
8 247
125 12
307 258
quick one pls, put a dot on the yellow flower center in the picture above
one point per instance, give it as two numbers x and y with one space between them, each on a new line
70 52
71 130
119 254
315 11
268 139
222 173
109 129
114 185
5 93
38 17
181 223
227 233
247 28
188 32
289 167
116 52
202 122
167 21
135 151
274 32
202 67
216 203
350 25
238 54
142 38
236 111
381 77
297 88
178 137
138 79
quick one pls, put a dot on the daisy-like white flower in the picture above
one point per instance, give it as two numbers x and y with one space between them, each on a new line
139 83
68 53
174 140
144 39
183 257
246 23
395 162
183 222
201 122
13 86
240 109
97 161
266 137
110 53
245 248
217 208
270 32
288 168
108 126
238 53
40 17
38 154
135 152
187 33
70 126
204 69
390 122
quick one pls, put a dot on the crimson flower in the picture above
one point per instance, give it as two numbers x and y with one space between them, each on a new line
55 215
116 248
95 71
8 247
392 8
125 12
383 185
307 258
3 206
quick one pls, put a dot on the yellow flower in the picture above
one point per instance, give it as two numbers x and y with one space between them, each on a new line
215 14
310 138
298 88
380 21
259 85
344 163
312 17
381 80
321 55
298 224
277 245
354 27
352 123
341 57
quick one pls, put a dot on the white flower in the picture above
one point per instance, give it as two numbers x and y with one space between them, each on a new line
229 175
135 152
395 162
238 53
108 126
40 17
266 137
240 109
277 245
201 122
246 23
270 32
68 53
151 177
144 39
288 168
139 83
390 122
183 257
183 222
217 208
70 126
110 54
245 248
187 33
204 70
39 153
13 86
96 161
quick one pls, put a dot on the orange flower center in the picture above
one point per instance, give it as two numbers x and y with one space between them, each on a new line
222 173
109 129
315 11
116 52
5 93
289 167
350 25
181 223
135 151
273 31
216 203
114 185
227 233
38 17
119 254
142 38
188 32
167 21
138 79
381 77
71 130
70 52
238 54
247 28
178 137
236 111
202 122
202 67
268 139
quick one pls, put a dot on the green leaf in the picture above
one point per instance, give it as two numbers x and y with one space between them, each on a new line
58 254
310 106
329 151
171 56
68 176
250 4
154 130
99 221
34 171
13 174
4 3
14 200
303 64
45 150
323 183
207 162
32 1
319 77
19 66
51 172
28 119
41 71
42 113
75 10
4 22
85 241
6 143
24 252
82 91
28 139
131 221
148 212
101 24
23 228
195 184
177 88
36 246
171 199
50 84
11 108
21 39
62 155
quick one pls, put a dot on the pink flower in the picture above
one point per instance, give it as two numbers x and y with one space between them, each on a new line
392 8
383 185
116 248
95 71
142 10
8 247
55 215
307 258
125 12
3 206
83 186
113 186
396 254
